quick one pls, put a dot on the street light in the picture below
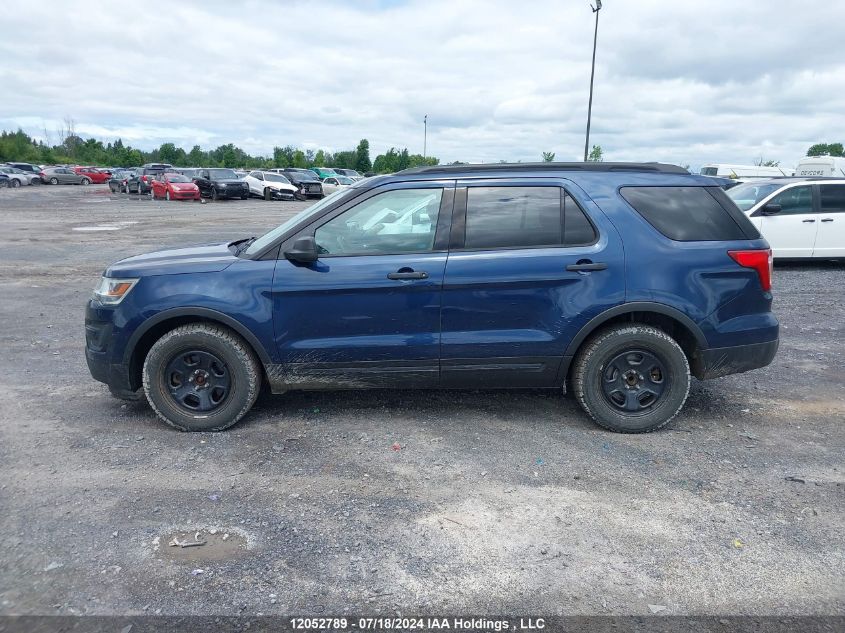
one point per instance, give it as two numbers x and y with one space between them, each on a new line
425 135
596 10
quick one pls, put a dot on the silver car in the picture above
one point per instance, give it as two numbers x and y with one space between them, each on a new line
64 176
18 177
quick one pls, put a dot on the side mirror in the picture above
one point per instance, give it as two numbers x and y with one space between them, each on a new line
771 209
304 250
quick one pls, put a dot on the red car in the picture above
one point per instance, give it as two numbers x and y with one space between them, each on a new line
96 176
172 186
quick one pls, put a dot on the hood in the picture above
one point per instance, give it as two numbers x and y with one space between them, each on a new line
207 258
227 181
281 185
183 186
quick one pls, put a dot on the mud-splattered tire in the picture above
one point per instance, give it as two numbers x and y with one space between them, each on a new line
166 371
631 378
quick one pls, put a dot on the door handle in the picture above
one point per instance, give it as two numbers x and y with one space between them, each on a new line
407 275
808 221
586 266
827 220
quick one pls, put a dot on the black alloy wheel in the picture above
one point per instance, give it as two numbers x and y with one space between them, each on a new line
197 380
634 381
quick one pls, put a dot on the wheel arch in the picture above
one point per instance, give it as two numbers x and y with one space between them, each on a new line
156 326
668 319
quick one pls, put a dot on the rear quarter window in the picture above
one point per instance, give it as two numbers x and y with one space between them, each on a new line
690 214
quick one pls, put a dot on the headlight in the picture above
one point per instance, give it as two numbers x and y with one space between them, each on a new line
112 291
222 185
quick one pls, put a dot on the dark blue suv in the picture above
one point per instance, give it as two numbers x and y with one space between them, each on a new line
616 280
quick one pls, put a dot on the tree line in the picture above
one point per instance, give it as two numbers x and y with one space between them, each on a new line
73 149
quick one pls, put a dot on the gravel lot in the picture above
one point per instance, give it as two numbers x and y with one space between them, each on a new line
497 501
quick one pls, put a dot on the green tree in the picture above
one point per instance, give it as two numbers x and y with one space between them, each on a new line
299 159
596 154
362 156
548 157
345 159
825 149
169 153
320 158
196 157
283 156
134 158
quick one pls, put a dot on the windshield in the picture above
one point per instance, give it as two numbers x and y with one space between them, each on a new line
276 178
303 174
268 238
344 180
222 173
178 178
747 195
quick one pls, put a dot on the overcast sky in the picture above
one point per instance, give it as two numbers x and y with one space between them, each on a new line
686 81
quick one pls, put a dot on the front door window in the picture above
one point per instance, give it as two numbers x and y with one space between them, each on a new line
390 223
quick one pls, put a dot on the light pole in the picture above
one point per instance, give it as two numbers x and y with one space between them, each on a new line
596 10
425 135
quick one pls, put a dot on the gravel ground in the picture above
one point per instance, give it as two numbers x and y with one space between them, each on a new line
496 501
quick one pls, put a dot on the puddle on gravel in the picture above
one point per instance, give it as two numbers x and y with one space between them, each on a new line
221 545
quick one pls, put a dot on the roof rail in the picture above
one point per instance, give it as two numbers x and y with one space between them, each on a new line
589 166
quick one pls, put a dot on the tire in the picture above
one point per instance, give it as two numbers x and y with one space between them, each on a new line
167 195
166 366
85 181
4 184
631 378
54 181
15 183
214 195
268 195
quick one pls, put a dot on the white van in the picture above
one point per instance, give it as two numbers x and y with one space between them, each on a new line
743 171
801 218
821 166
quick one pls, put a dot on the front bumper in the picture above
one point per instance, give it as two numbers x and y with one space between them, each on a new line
233 192
98 353
723 361
185 195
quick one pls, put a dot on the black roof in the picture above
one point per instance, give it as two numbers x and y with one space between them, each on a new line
589 166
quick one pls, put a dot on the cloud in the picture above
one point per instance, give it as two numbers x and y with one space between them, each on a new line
689 82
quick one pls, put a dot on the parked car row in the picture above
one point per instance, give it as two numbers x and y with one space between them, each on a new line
219 183
15 177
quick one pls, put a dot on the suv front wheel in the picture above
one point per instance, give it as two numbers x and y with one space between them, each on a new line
631 378
201 377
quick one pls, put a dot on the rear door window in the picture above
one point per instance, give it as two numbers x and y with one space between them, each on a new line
524 217
513 217
689 214
832 198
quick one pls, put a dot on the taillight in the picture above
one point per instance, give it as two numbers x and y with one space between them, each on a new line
761 261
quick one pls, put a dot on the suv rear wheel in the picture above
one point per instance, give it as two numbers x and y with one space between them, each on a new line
201 377
631 378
